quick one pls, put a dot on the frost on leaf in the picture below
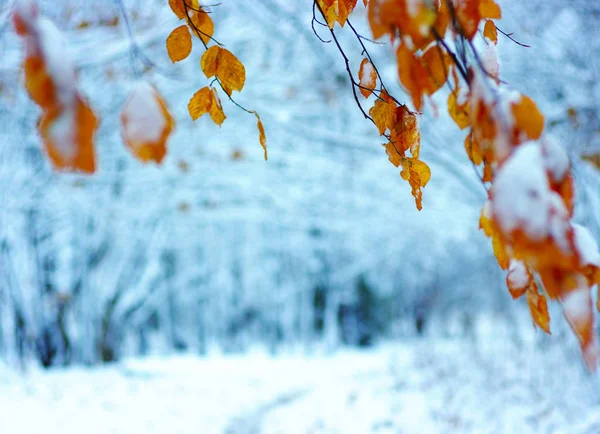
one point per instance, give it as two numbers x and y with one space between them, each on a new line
146 123
518 279
68 136
179 44
205 101
221 63
367 77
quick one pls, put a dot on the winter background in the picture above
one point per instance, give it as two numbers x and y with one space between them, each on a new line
222 294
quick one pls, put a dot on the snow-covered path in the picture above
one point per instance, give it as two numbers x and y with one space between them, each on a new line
418 387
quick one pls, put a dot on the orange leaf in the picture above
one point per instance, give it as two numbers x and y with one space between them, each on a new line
405 134
458 112
68 135
528 118
538 307
202 26
490 31
417 173
146 123
383 113
413 75
179 43
220 62
204 101
437 63
178 8
489 9
468 16
261 134
393 155
367 77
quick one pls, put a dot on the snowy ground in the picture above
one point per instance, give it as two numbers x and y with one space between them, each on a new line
420 386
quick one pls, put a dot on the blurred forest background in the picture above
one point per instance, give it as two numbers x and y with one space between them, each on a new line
218 251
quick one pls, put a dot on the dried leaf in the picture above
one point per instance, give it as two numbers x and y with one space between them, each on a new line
202 26
490 31
538 307
205 101
383 113
458 112
179 44
367 77
528 118
220 62
261 134
489 9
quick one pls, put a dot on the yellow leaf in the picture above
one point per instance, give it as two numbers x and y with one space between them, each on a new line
393 155
261 134
179 44
383 113
490 31
220 62
205 101
437 63
538 308
367 77
528 118
458 112
490 9
202 26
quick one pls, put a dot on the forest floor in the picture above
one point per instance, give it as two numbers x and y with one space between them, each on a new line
420 386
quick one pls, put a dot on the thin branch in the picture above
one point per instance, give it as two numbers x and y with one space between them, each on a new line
509 36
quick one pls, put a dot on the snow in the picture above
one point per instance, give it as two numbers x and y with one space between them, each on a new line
416 387
555 157
586 245
577 304
145 118
490 61
521 195
518 277
58 60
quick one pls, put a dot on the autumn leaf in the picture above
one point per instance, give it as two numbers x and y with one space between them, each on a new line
179 7
68 136
394 156
418 174
220 62
383 113
458 112
261 134
490 31
146 123
436 62
489 9
179 44
538 307
205 101
202 26
528 118
367 77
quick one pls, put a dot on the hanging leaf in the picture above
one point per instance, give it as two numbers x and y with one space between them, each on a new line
367 77
179 43
490 31
538 307
205 101
146 123
261 134
221 63
202 26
